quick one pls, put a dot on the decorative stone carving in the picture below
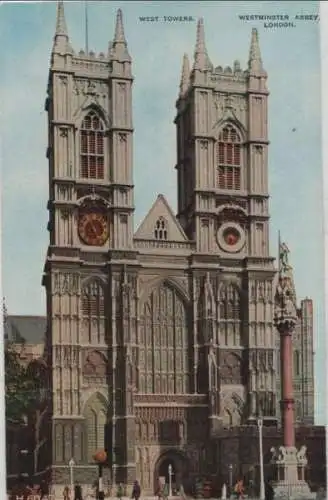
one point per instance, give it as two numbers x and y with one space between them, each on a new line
64 214
204 144
231 370
95 365
83 86
63 79
63 131
65 283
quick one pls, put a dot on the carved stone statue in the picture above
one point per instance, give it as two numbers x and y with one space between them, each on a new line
283 257
301 455
274 453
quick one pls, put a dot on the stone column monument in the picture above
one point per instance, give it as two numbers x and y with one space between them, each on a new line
290 463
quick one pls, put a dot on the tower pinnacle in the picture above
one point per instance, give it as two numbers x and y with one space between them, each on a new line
201 59
61 28
119 50
255 60
61 41
185 75
119 36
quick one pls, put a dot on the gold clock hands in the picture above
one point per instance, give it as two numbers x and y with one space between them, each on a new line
94 229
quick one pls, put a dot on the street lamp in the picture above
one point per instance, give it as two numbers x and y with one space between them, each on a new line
100 457
71 465
230 480
260 427
170 480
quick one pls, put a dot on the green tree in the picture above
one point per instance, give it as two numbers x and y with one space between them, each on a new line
21 387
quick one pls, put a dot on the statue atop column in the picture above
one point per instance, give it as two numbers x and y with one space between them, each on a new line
288 461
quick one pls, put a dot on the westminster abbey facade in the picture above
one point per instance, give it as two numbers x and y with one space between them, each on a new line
158 339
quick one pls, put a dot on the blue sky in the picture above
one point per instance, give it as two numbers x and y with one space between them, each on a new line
292 60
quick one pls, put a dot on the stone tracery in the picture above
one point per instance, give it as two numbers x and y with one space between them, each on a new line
230 314
95 413
163 349
93 312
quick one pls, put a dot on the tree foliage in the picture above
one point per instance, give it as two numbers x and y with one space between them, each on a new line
21 386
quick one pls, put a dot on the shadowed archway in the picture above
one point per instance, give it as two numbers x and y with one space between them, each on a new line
180 468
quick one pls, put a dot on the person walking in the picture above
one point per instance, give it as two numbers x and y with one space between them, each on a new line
136 490
66 493
78 492
120 491
268 490
239 489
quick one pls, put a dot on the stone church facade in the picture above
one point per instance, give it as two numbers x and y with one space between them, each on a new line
158 339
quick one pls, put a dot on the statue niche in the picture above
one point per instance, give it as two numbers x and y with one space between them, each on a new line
95 367
231 371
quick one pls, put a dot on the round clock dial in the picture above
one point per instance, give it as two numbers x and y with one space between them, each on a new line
231 237
93 228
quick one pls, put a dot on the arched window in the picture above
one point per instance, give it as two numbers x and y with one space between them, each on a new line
163 344
229 159
92 147
160 231
93 300
93 313
95 415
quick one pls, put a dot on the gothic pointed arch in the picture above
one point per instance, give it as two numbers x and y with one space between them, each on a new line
95 414
92 145
229 157
163 342
169 281
90 105
92 306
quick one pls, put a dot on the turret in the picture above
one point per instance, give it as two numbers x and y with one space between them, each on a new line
61 45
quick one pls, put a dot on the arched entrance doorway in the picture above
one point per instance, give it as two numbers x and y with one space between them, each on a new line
176 462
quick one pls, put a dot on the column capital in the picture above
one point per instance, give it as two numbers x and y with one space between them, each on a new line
285 324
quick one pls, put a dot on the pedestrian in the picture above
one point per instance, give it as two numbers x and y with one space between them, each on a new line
136 490
166 491
120 491
239 489
268 490
159 490
321 494
78 492
43 490
66 493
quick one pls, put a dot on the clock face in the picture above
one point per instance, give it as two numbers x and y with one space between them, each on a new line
93 228
231 237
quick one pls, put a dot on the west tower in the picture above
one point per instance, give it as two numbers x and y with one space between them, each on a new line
89 105
222 170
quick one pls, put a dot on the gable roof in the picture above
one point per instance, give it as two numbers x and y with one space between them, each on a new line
160 208
26 329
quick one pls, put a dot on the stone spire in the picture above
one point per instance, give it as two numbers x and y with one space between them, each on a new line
119 29
119 48
185 75
61 40
255 59
61 28
201 59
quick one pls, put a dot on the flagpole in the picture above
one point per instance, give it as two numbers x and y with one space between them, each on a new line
86 28
279 247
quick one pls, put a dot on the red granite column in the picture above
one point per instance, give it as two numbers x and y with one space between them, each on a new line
287 393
